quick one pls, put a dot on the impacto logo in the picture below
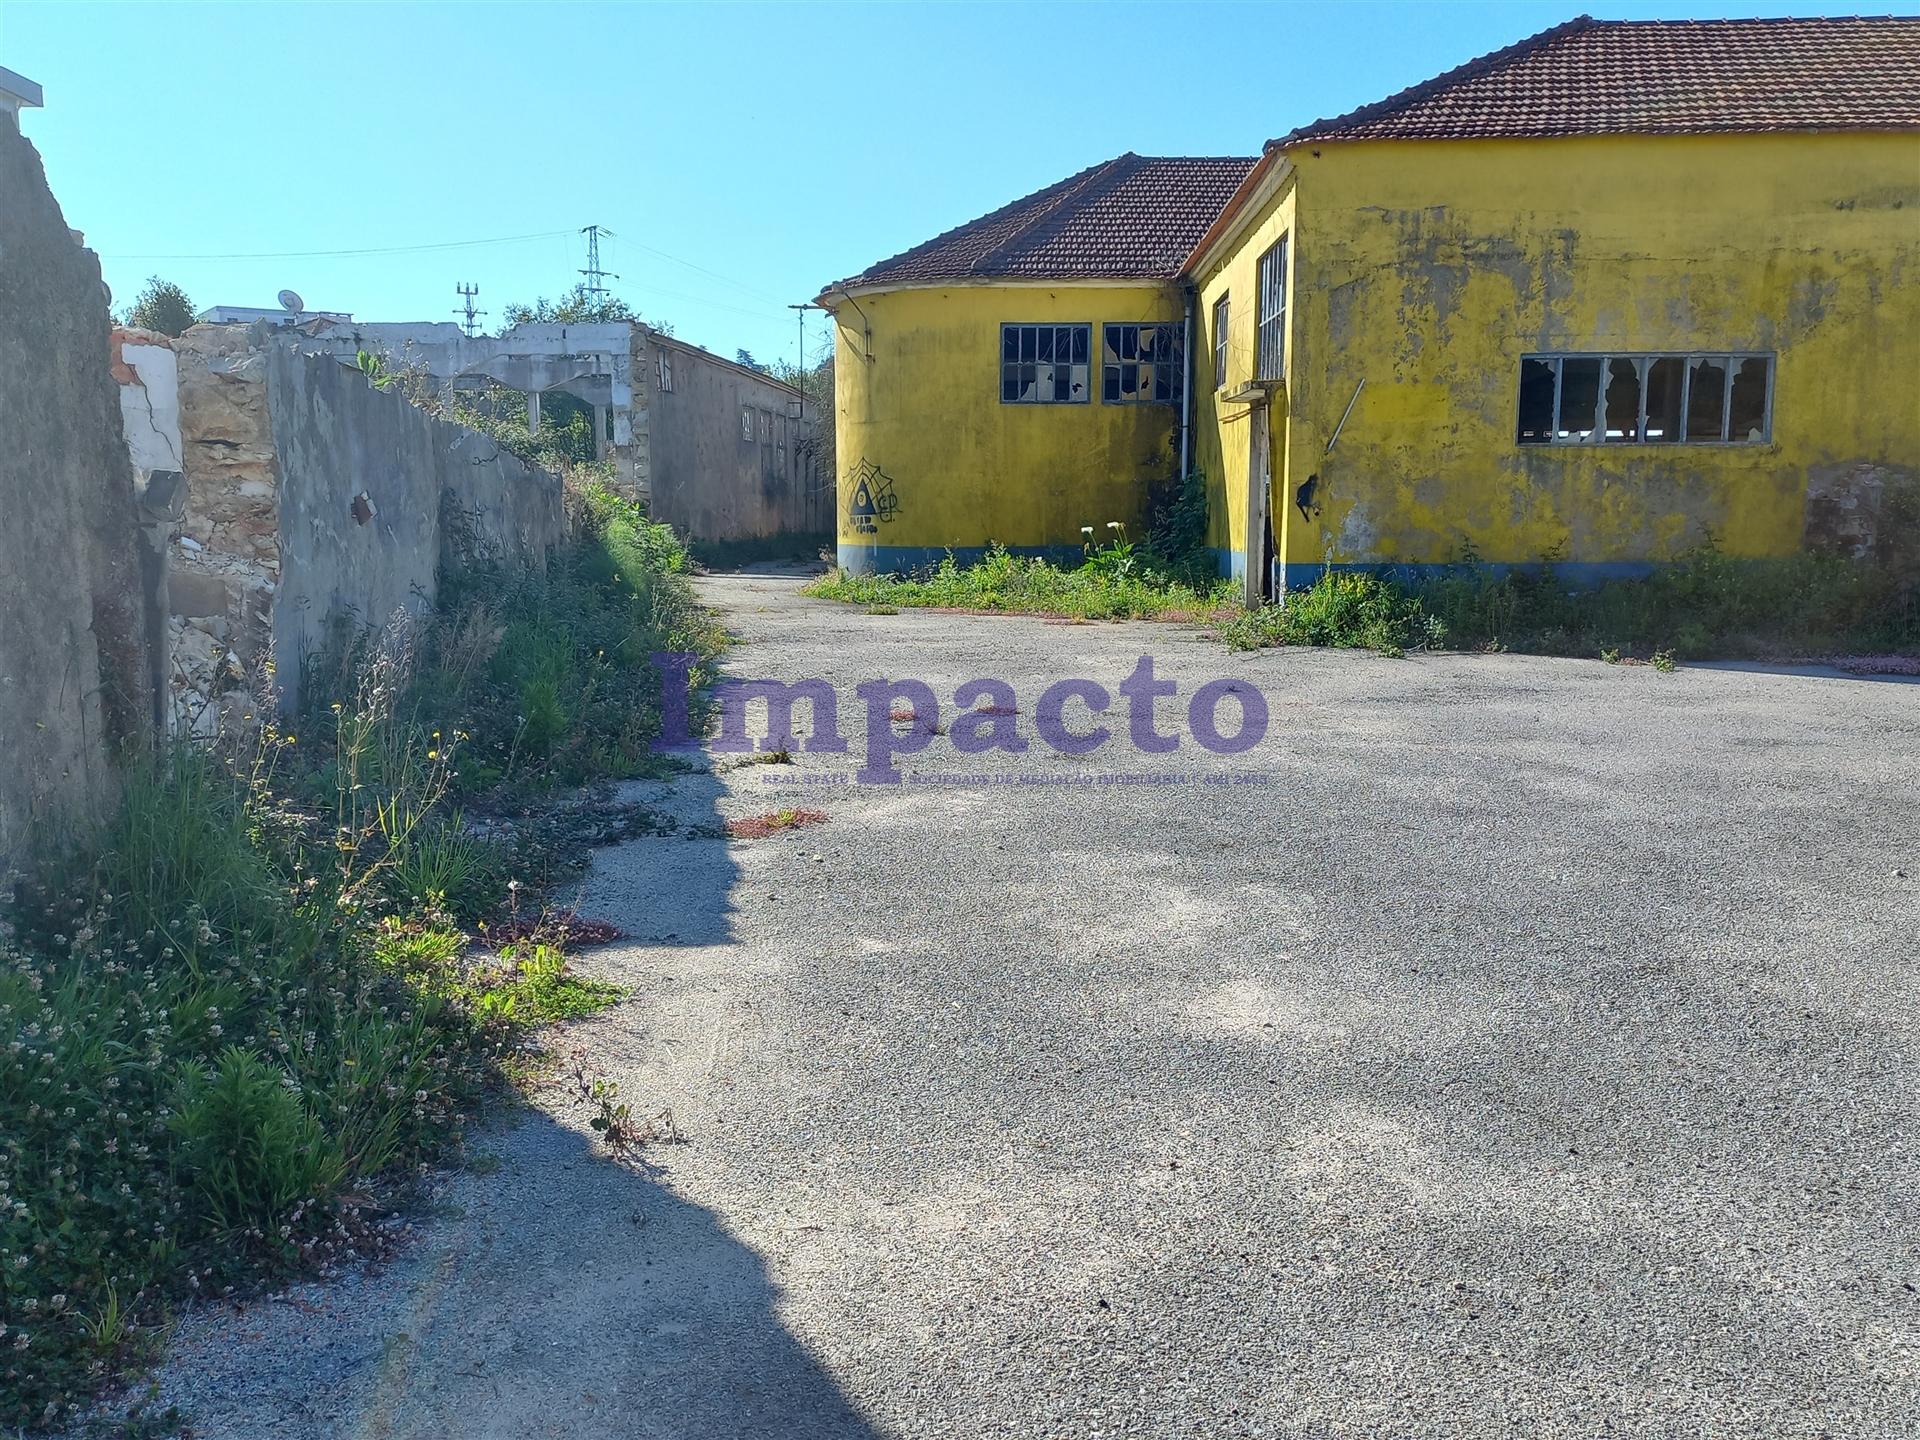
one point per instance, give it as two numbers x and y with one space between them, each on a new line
988 717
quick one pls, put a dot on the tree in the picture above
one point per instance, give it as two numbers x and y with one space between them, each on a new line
162 306
578 306
815 383
745 357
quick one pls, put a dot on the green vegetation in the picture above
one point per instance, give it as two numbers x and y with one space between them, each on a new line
1704 605
161 305
1114 583
250 1009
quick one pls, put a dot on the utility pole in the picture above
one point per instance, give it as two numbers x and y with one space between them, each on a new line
469 316
595 275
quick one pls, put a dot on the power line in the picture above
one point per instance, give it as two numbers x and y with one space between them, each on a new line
337 254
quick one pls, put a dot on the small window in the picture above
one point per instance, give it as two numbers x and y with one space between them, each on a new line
1142 364
1645 399
746 423
666 371
1271 343
1220 316
1045 364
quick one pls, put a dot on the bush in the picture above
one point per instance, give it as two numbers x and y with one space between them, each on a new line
1344 609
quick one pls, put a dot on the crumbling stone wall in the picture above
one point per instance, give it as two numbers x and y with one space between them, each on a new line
316 502
75 681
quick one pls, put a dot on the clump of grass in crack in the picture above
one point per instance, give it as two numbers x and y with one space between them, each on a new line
759 827
759 757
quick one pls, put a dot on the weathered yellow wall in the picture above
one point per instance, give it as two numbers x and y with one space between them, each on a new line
966 469
1221 439
1428 269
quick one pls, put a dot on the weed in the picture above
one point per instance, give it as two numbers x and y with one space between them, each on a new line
883 609
1663 661
613 1119
1611 655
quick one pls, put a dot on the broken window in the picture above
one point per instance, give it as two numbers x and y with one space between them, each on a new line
1747 405
1141 364
1270 350
1220 315
746 423
1537 380
666 370
1666 396
1045 364
1622 412
1707 398
1645 399
1579 400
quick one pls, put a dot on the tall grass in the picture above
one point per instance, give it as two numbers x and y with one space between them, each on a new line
1002 581
245 1002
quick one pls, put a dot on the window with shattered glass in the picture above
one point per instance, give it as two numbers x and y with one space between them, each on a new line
1045 364
1142 364
1724 399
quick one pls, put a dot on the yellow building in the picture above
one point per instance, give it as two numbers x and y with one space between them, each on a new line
1023 375
1593 300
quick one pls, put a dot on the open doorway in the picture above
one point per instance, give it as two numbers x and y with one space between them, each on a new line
1260 543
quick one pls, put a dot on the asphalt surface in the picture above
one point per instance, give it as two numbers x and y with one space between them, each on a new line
1504 1046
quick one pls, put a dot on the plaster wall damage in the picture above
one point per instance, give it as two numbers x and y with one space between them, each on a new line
319 503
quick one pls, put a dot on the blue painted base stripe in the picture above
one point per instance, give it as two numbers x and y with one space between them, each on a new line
1579 574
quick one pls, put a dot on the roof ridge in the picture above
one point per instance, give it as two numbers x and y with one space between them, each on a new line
1487 64
1080 186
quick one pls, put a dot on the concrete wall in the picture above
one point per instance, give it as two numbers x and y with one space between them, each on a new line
711 477
74 677
318 501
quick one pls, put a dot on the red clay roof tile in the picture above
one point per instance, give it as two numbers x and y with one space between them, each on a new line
1601 77
1132 217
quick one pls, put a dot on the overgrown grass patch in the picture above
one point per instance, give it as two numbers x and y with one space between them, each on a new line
1029 585
240 1019
1704 605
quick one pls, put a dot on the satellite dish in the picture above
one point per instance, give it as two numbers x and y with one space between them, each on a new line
290 300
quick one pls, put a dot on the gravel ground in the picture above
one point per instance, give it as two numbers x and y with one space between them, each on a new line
1505 1046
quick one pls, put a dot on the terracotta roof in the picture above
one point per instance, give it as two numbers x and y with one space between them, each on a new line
1602 77
1132 217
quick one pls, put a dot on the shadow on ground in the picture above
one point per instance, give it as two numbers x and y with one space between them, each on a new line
560 1294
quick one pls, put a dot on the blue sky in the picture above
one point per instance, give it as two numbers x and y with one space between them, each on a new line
744 155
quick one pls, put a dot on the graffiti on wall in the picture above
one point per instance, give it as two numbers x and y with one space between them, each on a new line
871 502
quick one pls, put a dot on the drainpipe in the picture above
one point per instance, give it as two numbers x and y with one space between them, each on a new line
1186 387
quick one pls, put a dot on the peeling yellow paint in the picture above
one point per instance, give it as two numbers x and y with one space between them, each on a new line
1427 270
965 469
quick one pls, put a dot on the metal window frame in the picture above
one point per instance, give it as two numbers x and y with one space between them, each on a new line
1000 378
1643 363
1263 294
1177 366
